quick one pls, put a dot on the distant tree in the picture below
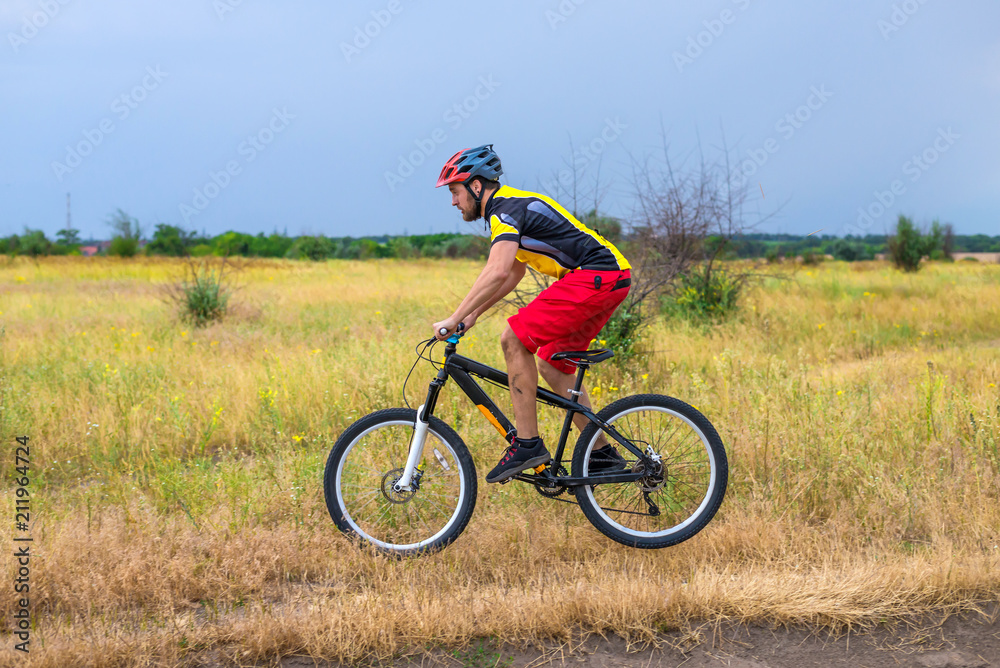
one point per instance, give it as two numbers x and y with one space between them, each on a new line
275 245
311 248
403 248
68 237
11 244
34 243
948 245
908 246
126 235
943 240
367 248
232 243
849 250
169 240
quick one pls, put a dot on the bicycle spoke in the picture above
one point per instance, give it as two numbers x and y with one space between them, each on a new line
676 492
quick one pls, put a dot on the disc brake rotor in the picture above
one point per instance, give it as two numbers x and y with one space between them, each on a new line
402 496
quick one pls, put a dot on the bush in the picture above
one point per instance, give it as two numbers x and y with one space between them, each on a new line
705 294
850 251
811 259
202 295
403 248
621 332
232 243
34 243
310 248
122 247
125 242
169 240
908 246
275 245
201 250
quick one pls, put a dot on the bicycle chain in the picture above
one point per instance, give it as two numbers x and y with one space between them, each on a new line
614 510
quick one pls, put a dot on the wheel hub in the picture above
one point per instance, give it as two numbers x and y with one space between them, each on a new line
654 475
390 488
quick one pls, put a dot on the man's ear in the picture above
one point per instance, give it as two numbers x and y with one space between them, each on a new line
477 187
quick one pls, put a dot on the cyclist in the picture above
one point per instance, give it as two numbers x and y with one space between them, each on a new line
593 279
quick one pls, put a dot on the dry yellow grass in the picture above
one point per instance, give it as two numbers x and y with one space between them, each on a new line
176 485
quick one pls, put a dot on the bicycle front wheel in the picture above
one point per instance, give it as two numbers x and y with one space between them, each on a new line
686 472
369 458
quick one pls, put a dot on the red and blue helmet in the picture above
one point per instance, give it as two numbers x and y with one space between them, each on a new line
469 163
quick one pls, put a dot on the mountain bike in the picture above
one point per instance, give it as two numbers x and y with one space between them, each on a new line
403 481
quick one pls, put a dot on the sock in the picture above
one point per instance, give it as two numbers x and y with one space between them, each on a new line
530 443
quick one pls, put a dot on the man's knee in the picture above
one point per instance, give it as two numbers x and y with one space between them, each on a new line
510 342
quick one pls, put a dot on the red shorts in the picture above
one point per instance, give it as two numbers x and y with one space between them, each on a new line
568 314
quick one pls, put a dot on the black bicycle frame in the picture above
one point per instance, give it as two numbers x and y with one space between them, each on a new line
462 369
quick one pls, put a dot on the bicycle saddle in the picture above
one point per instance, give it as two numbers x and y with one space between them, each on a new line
587 357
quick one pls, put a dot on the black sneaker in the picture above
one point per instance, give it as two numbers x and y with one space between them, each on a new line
520 455
605 460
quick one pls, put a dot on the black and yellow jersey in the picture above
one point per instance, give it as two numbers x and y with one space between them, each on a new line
549 238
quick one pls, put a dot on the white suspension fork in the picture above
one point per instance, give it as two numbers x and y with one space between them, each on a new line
416 449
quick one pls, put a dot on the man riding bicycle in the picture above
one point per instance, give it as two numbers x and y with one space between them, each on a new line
593 279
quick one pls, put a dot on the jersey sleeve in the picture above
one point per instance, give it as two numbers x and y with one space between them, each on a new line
503 227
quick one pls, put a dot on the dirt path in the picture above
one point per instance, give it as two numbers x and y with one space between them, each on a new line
966 642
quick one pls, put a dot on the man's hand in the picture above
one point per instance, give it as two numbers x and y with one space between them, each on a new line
449 324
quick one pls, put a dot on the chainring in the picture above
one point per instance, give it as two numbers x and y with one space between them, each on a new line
552 492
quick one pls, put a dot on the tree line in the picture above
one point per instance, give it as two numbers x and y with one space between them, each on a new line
172 241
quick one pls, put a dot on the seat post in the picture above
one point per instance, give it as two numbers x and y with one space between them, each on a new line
568 421
581 372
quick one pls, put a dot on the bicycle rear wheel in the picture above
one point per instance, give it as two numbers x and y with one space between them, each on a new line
369 457
684 483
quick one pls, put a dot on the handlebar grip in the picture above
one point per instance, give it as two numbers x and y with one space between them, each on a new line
458 330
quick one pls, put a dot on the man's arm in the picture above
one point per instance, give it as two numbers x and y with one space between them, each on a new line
515 276
494 275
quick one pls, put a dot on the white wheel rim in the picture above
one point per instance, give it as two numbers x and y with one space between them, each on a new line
380 543
693 516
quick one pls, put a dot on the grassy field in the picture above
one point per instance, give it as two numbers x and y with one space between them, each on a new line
177 507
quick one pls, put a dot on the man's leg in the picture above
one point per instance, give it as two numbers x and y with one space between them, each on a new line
523 376
561 383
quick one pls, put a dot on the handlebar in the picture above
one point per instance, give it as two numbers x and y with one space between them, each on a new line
454 337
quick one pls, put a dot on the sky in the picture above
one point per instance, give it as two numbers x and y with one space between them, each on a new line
312 117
